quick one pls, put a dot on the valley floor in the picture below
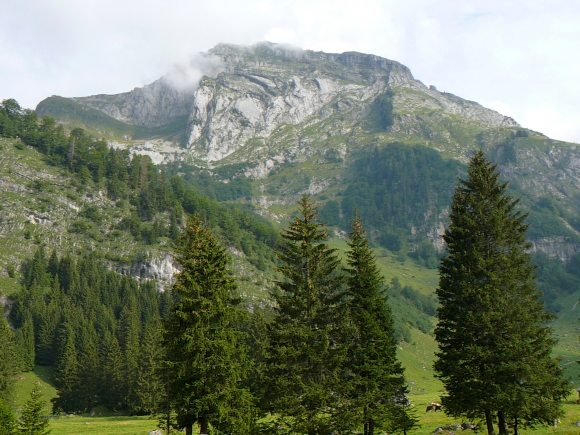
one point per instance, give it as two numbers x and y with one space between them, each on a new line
142 425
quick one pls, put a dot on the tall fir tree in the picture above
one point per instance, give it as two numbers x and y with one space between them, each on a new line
25 342
129 326
67 371
114 381
305 351
493 333
150 388
203 342
90 371
375 389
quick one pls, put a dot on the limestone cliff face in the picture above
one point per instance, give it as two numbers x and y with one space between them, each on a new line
257 93
151 106
267 87
162 269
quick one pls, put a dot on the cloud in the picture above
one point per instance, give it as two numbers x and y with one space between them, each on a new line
185 76
522 54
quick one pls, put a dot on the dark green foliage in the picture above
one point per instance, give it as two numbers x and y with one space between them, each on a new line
373 382
555 278
7 418
410 308
114 380
426 255
67 371
25 343
403 418
399 189
237 187
380 117
129 332
9 359
493 336
80 311
305 349
204 346
151 387
33 420
330 213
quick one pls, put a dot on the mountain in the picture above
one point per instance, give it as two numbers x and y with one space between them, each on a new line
292 121
269 95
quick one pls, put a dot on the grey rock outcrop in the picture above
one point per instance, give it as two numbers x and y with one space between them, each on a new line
152 106
247 100
160 268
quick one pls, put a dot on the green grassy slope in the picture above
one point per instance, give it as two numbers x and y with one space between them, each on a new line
43 204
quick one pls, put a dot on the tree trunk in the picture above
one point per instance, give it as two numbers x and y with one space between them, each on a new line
502 423
168 423
189 429
371 427
489 422
516 426
203 426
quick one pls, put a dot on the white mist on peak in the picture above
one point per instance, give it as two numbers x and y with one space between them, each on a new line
185 76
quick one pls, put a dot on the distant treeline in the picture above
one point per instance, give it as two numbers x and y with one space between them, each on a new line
401 191
96 327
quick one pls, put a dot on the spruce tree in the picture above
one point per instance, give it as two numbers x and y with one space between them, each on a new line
373 377
129 326
7 418
33 420
114 381
203 343
25 342
90 371
493 334
9 367
9 359
305 349
150 388
67 371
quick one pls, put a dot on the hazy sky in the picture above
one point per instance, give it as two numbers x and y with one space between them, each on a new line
520 57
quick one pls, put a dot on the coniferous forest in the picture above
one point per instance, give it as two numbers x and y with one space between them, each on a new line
322 356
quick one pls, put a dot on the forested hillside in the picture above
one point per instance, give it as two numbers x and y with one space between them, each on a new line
120 195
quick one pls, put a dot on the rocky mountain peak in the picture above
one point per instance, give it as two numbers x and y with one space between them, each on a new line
276 102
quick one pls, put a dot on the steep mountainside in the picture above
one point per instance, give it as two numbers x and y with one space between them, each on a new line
45 204
293 121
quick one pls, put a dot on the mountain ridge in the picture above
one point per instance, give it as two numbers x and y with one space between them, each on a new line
256 91
294 121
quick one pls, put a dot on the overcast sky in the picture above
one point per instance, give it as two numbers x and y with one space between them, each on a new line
520 57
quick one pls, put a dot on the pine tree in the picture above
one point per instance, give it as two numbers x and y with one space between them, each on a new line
129 341
373 377
114 380
25 342
33 420
204 348
90 371
9 359
305 349
67 371
493 333
150 388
